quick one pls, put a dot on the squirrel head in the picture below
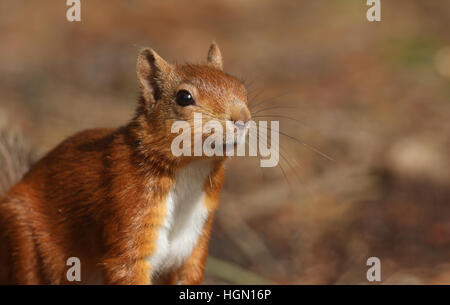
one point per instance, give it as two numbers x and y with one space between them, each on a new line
172 92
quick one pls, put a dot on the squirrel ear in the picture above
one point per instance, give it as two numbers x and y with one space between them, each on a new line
150 68
214 56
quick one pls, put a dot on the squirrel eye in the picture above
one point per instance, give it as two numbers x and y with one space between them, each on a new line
184 98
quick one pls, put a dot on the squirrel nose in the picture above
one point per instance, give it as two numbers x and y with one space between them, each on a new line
240 116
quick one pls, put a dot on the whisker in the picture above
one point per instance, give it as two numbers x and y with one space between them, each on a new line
255 97
260 168
259 117
281 167
284 174
273 108
268 100
278 116
285 156
304 144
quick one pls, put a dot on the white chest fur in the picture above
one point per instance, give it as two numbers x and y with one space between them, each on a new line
186 215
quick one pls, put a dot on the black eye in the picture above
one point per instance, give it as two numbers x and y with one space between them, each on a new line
184 98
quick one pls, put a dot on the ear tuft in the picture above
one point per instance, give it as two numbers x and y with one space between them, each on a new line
214 56
149 68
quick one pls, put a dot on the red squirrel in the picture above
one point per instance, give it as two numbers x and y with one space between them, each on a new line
118 199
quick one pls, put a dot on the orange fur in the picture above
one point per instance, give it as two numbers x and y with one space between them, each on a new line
100 195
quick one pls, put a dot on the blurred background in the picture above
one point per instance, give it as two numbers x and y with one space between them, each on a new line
374 96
